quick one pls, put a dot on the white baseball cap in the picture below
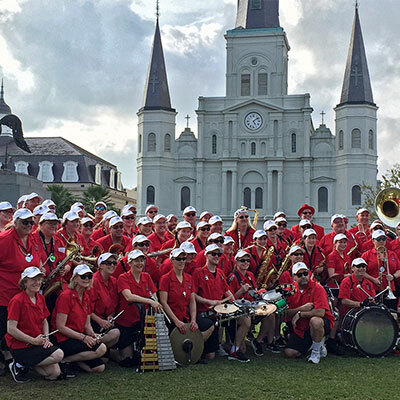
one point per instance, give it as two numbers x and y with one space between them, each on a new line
104 257
228 239
76 209
294 249
145 221
128 207
212 247
126 212
280 219
31 272
378 233
269 224
376 223
40 210
158 217
77 204
85 220
188 248
305 222
115 220
309 232
278 214
32 196
49 216
183 225
258 234
189 209
361 210
70 216
22 213
149 207
241 211
169 216
176 252
109 214
5 205
215 235
140 239
135 254
358 261
298 267
339 236
201 224
204 213
336 216
49 203
81 270
22 199
241 253
101 203
214 219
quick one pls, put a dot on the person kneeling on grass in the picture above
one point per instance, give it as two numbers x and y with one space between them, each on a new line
311 316
27 331
71 317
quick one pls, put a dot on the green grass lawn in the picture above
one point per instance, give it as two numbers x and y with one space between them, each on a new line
266 377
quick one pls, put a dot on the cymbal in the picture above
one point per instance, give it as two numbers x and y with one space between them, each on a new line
187 348
263 309
225 308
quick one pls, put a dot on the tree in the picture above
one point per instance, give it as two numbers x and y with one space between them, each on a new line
62 197
96 193
390 179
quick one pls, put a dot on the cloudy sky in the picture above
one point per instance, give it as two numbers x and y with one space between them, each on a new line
76 68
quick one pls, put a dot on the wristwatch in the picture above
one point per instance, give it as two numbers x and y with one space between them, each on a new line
299 312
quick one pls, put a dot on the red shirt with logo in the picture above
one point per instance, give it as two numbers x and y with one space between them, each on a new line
104 296
237 279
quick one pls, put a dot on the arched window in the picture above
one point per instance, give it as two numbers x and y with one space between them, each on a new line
247 197
253 149
97 176
371 140
140 144
46 171
263 149
294 143
323 199
341 140
245 85
356 195
259 198
167 143
150 195
214 144
70 173
22 167
356 139
151 142
243 149
112 178
119 181
185 197
262 84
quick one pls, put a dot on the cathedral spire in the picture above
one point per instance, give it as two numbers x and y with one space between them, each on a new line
356 84
4 108
156 93
253 14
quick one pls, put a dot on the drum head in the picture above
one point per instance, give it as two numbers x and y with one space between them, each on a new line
272 296
225 308
264 309
242 303
375 332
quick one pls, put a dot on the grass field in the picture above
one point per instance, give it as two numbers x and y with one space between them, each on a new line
266 377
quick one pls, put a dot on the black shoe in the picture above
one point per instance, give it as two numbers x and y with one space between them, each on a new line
280 342
18 373
257 348
273 348
238 356
333 347
67 371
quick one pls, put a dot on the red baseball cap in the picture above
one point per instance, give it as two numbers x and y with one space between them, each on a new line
305 207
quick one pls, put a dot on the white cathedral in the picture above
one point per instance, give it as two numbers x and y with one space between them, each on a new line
257 145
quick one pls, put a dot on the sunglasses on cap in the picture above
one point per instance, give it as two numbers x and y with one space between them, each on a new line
102 208
127 218
246 260
216 241
215 254
243 216
298 254
191 214
380 239
27 222
143 244
282 224
180 258
86 276
109 263
300 274
205 229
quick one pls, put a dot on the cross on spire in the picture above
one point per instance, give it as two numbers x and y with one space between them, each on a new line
187 119
158 9
323 113
356 4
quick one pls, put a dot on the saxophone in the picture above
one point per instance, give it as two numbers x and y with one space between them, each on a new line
284 266
264 275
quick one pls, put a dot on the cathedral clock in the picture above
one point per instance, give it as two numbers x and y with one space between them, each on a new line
253 121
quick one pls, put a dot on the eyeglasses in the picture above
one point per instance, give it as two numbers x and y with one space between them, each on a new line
272 229
152 212
89 225
109 263
215 254
298 254
205 229
216 241
360 266
118 227
142 244
243 217
191 214
247 261
282 224
102 208
86 276
300 274
380 239
27 222
180 259
127 218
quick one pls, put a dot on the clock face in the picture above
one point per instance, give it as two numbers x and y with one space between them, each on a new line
253 121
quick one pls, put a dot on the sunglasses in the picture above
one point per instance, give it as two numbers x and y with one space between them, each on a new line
192 214
89 225
109 263
205 229
307 212
102 208
215 254
216 241
142 244
243 217
306 227
127 218
27 222
118 227
300 274
284 225
247 261
152 212
360 266
86 276
298 254
180 259
272 229
380 239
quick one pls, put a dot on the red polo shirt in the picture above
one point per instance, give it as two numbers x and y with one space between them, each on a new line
29 317
209 286
150 267
13 262
341 265
255 260
198 245
76 310
361 237
142 288
313 293
90 244
106 242
314 259
200 260
236 280
156 242
288 236
245 240
104 296
369 245
178 293
319 230
348 290
227 264
62 237
99 233
326 244
371 259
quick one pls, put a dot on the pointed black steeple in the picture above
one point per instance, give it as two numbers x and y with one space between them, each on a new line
156 92
253 14
356 85
4 108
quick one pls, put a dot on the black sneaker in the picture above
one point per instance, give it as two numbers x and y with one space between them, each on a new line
238 356
280 342
67 371
257 348
273 348
18 373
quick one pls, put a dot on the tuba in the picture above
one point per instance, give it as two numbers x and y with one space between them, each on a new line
387 205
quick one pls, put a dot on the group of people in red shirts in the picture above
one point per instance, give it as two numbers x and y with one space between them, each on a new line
92 309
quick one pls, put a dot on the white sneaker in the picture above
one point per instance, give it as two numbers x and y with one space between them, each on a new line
314 357
323 352
221 351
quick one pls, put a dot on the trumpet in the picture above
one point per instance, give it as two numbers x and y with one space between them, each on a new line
385 260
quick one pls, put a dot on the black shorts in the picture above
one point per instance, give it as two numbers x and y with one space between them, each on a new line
128 335
3 327
71 347
302 345
211 345
33 355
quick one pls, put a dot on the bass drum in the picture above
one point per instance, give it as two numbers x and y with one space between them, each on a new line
372 331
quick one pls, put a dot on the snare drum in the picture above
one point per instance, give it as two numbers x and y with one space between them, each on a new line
372 331
276 298
262 309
